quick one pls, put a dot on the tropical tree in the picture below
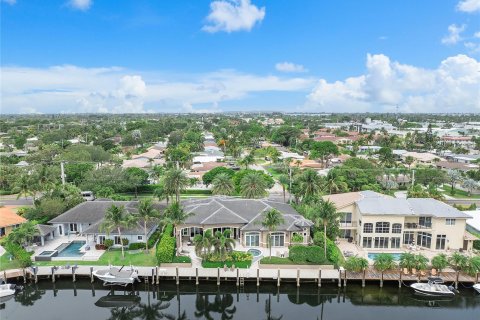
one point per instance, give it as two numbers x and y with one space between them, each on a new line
272 219
24 234
117 217
203 243
453 177
24 186
247 160
321 213
175 181
470 185
253 186
333 185
473 265
409 161
284 181
223 184
356 264
421 262
440 262
223 243
383 262
310 185
407 260
175 215
162 193
147 212
458 261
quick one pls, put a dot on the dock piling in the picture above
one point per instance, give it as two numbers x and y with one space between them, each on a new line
53 274
218 276
73 274
177 280
319 277
153 276
35 274
298 277
156 274
456 279
278 277
91 274
24 276
196 276
238 277
258 277
363 278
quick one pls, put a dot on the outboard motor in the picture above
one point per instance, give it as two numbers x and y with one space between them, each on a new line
452 288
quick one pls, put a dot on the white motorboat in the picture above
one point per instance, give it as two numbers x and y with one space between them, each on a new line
434 287
477 287
118 276
7 291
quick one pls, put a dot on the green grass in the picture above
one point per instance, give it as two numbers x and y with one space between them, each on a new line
182 259
278 260
219 264
6 264
458 193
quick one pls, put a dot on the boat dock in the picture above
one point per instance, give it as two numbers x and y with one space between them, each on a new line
318 276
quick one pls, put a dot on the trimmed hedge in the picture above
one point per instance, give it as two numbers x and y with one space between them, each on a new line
19 254
313 254
166 246
136 246
219 264
278 260
153 238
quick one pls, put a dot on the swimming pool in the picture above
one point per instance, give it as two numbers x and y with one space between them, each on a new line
396 256
71 249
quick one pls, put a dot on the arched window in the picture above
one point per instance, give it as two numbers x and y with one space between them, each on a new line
397 228
382 227
368 228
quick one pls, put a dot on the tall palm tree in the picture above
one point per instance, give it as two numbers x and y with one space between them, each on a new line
203 243
175 182
24 186
284 181
321 213
223 242
247 160
310 184
272 219
253 186
175 215
116 217
147 212
223 184
162 193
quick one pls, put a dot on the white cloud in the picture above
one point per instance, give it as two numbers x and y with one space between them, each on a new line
10 2
75 89
476 34
82 5
453 36
290 67
469 5
452 87
233 15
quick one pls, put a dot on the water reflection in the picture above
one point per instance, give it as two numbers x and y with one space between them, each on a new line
83 300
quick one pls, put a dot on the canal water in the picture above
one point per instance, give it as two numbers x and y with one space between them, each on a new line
86 301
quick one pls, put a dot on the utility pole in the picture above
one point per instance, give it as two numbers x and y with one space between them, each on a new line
413 177
290 182
62 169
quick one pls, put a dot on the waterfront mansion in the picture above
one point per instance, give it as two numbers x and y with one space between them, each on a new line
378 222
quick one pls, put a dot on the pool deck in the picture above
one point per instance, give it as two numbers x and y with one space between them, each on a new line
90 255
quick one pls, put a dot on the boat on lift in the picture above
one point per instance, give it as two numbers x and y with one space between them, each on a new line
477 287
117 276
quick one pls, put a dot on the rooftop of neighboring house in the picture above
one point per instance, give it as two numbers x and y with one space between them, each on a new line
456 165
475 221
150 154
9 216
247 212
207 166
457 138
342 200
141 163
422 156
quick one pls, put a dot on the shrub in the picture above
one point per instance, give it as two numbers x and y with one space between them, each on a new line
166 246
333 253
99 246
108 243
297 238
125 241
136 246
19 254
298 253
312 254
153 238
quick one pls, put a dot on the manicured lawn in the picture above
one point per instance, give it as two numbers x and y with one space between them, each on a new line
459 193
113 257
6 264
278 260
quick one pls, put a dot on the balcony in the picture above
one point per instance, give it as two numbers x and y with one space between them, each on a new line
416 226
348 224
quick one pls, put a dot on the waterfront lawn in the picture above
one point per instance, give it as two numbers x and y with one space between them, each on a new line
6 264
278 260
462 194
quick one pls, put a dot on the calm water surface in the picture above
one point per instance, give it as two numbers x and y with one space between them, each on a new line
83 300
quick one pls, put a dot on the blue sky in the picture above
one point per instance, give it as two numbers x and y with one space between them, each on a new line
204 56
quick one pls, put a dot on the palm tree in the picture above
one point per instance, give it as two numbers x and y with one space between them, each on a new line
247 160
253 186
310 184
223 243
162 193
175 215
473 265
407 260
421 262
223 184
175 182
458 261
24 186
203 243
356 264
268 310
116 217
147 212
272 219
409 161
24 234
440 262
284 181
322 213
383 262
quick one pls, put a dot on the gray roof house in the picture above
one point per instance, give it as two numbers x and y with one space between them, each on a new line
87 217
244 218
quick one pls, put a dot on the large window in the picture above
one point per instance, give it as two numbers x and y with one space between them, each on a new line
408 237
397 228
116 240
395 242
368 228
381 242
450 222
382 227
425 222
101 239
73 227
252 239
424 239
441 240
2 232
278 239
346 219
367 242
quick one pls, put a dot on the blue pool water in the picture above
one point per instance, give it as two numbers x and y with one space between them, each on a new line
255 252
396 256
72 249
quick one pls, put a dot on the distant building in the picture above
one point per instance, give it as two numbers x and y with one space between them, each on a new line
9 220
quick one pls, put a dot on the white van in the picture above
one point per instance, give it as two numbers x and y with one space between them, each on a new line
88 195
